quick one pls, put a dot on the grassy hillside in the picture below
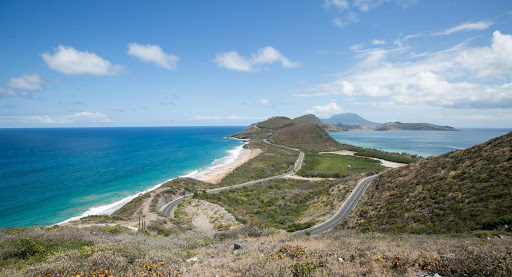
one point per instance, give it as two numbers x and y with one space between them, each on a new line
311 118
114 251
461 191
337 166
283 204
285 131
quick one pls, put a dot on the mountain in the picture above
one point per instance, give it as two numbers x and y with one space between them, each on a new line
311 118
347 119
292 133
458 192
410 126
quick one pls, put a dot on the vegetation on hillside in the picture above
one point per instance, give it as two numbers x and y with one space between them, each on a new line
337 166
113 251
311 118
461 191
272 161
282 203
285 131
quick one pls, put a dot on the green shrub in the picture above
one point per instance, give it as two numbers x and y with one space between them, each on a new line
24 248
299 226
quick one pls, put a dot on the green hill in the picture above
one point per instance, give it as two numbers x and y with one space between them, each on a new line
411 126
458 192
292 133
311 118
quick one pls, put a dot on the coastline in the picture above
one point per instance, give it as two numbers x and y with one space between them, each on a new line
216 173
213 173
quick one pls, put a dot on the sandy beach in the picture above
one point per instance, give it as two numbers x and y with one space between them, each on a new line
216 174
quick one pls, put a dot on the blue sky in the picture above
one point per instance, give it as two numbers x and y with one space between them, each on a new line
186 63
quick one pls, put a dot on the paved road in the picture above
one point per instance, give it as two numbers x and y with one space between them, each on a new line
347 207
168 210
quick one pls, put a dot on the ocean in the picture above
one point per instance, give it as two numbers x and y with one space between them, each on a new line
48 176
422 143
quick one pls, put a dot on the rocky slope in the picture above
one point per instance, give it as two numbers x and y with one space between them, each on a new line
461 191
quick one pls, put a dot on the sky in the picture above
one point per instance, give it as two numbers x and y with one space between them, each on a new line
211 63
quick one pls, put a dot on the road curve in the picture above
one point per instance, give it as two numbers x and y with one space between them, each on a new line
168 210
347 207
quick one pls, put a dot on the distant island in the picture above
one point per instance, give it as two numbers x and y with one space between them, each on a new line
353 122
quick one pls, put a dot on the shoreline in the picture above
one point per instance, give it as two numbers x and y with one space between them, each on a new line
219 167
217 173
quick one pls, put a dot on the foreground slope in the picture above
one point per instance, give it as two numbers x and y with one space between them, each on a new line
292 133
456 192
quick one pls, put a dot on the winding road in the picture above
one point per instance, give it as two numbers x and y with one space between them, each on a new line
168 210
346 208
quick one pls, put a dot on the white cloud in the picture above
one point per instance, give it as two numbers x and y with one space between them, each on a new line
325 111
269 55
82 117
68 60
455 78
348 12
341 22
366 5
339 4
26 82
378 42
232 117
264 101
465 27
152 54
12 93
266 55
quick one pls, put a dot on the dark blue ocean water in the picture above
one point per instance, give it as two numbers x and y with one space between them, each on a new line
50 175
423 143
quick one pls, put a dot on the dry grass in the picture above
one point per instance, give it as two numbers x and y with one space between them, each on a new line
92 251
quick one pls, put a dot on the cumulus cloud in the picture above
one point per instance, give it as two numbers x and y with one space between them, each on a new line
81 117
153 54
325 111
68 60
465 27
232 117
26 82
264 101
232 60
266 55
458 78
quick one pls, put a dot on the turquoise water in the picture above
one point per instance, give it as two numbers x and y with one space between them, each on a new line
50 175
423 143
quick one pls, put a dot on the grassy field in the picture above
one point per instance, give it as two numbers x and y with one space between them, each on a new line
282 204
337 166
272 161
